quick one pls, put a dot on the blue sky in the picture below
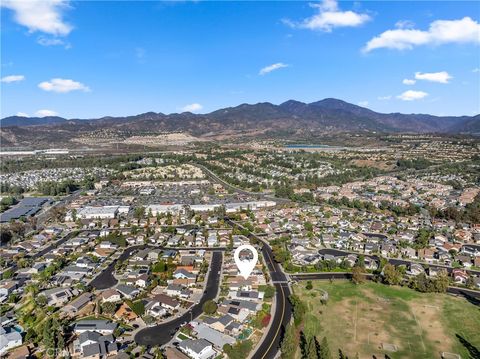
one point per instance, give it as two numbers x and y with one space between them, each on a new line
86 59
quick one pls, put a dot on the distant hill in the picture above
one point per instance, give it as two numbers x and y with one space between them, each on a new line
30 121
291 117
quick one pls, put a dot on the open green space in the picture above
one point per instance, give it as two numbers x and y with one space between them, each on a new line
375 319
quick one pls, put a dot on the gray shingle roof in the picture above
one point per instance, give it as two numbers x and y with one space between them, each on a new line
196 345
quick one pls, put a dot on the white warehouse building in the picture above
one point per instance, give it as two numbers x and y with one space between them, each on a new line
104 212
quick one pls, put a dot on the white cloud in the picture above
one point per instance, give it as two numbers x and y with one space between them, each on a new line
384 98
52 41
271 68
45 113
363 103
412 95
404 24
62 85
40 15
12 78
193 107
21 114
476 70
439 32
408 82
442 77
328 17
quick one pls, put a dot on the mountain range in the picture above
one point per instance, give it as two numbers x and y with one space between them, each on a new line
291 117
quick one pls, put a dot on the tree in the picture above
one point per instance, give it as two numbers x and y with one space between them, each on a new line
139 212
7 274
470 283
289 343
361 261
324 351
159 267
41 300
442 282
298 309
109 308
138 307
311 350
421 240
391 275
60 339
358 276
209 307
269 292
238 351
148 319
49 337
309 285
53 337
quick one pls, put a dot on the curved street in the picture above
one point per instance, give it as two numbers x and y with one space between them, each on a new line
106 279
161 334
270 344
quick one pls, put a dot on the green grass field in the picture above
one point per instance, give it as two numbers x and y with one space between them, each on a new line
372 319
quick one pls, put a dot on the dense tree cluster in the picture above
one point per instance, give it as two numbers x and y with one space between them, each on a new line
52 188
209 307
7 188
417 164
470 214
240 350
425 284
392 275
53 337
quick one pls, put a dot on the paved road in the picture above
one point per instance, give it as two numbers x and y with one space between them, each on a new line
44 216
270 346
106 279
322 275
47 249
55 244
395 261
163 333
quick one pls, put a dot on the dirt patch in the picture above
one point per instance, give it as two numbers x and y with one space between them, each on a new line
428 314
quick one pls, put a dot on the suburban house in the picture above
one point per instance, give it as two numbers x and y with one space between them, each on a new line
198 349
9 338
95 325
110 295
459 276
165 301
77 304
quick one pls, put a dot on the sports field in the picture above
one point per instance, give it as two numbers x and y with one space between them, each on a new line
374 319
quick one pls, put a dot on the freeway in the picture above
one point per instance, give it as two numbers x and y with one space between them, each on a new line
261 195
161 334
270 346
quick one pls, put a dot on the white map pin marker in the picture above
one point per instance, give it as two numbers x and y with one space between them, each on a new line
246 266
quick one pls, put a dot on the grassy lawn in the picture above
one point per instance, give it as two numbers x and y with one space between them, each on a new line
367 318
